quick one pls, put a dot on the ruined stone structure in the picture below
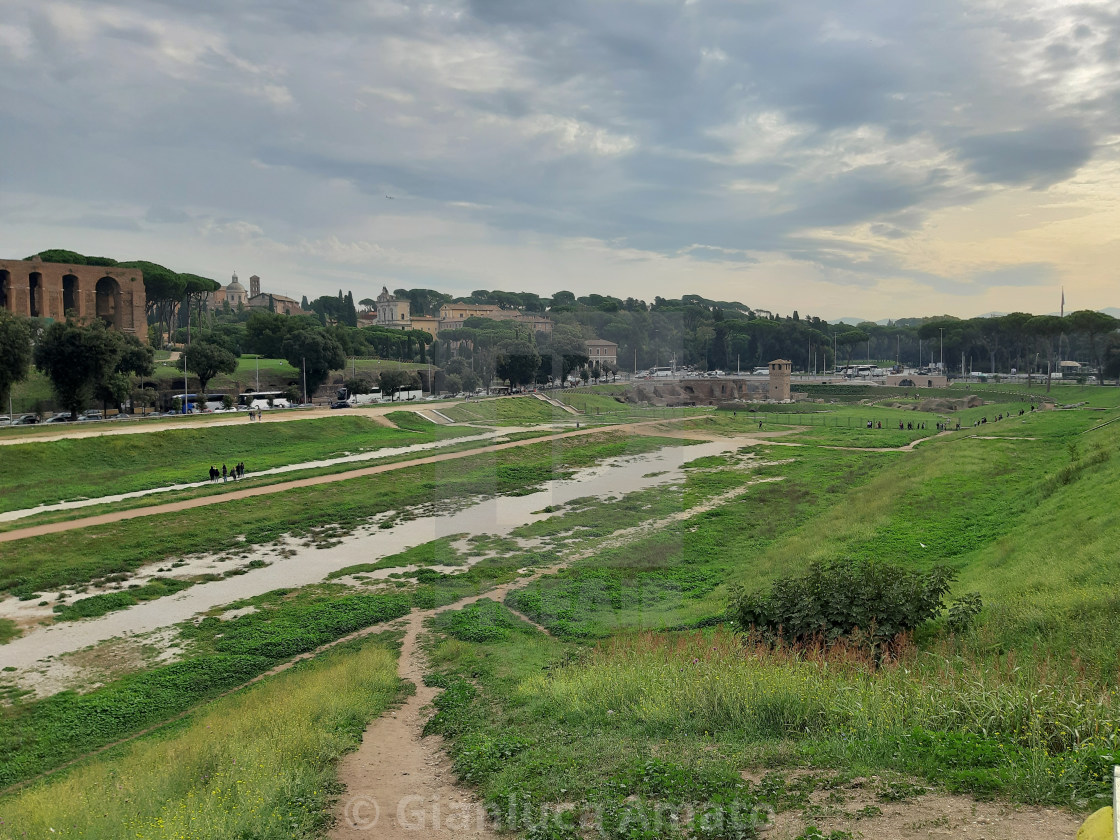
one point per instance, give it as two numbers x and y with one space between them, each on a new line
774 388
38 289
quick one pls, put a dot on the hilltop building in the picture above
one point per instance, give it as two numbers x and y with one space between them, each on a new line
392 312
274 303
36 289
234 294
238 297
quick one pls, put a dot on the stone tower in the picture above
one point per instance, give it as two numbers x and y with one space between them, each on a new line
780 370
254 286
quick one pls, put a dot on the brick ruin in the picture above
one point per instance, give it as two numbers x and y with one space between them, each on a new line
37 289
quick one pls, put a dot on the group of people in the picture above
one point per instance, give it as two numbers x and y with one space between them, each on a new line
225 474
255 414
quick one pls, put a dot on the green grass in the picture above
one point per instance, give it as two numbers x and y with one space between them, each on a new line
8 630
505 411
439 552
41 473
38 735
677 575
261 763
318 513
1020 707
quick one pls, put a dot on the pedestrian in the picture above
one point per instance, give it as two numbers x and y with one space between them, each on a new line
213 472
240 469
225 473
760 424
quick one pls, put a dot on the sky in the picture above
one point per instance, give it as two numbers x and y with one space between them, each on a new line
867 158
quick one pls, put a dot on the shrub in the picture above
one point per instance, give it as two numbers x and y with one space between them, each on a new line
836 598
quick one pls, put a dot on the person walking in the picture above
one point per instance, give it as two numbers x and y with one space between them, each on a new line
225 473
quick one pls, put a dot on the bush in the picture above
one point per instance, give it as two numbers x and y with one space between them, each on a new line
839 597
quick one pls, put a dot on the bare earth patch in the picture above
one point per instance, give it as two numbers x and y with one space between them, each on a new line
858 807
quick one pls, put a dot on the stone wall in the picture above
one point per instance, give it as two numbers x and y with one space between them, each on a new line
37 289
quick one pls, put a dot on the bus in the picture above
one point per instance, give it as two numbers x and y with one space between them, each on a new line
263 399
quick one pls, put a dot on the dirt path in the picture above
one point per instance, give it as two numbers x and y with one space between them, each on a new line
106 428
400 784
644 427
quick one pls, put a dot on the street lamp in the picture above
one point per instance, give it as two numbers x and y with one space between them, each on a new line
942 331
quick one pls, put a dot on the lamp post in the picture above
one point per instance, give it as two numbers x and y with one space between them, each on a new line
942 331
185 349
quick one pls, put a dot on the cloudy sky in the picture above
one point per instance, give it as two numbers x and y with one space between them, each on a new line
868 157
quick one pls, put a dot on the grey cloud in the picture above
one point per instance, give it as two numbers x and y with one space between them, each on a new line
1023 274
162 214
102 221
666 76
1038 156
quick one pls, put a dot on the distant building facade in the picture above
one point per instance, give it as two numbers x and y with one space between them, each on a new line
234 294
452 316
37 289
238 297
269 302
392 312
602 351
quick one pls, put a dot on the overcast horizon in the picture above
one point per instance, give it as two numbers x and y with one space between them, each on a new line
869 159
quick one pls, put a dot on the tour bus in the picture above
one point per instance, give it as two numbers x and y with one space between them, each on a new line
373 395
263 399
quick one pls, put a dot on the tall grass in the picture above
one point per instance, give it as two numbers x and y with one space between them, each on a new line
1038 731
259 764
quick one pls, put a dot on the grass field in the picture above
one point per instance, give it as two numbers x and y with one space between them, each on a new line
318 514
626 706
38 473
644 694
259 763
512 411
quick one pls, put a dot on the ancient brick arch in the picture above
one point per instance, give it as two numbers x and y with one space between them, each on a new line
107 301
37 289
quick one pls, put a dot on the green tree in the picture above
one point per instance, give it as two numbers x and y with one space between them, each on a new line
316 353
517 362
206 360
1044 329
132 358
76 358
164 291
1092 325
392 381
15 352
850 339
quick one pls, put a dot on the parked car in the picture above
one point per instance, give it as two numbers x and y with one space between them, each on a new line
59 418
121 416
340 404
26 420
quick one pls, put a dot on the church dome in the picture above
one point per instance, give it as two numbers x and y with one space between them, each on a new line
235 285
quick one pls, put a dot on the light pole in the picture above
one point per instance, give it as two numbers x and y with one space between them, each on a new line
185 349
942 331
